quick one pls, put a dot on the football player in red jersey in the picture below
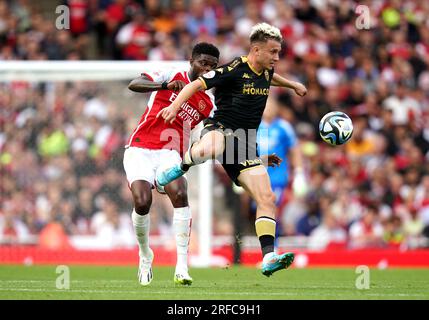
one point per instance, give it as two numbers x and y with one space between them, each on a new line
155 144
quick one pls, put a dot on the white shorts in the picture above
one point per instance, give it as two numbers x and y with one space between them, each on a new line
142 164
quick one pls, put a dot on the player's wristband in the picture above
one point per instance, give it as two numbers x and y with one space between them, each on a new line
164 85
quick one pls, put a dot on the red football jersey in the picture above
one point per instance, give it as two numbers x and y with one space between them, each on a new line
154 133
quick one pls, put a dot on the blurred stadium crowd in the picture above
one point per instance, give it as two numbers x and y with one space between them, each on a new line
61 146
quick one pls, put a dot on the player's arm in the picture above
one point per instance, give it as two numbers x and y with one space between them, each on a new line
169 114
280 81
144 84
213 78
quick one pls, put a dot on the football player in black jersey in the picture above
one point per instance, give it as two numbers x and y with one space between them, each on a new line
242 89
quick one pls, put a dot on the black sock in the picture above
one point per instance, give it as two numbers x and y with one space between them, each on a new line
267 244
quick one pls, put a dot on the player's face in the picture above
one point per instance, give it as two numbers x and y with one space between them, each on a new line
202 64
268 53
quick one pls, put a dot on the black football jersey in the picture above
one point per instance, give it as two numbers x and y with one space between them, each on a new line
240 93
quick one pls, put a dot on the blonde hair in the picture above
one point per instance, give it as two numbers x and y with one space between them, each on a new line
262 32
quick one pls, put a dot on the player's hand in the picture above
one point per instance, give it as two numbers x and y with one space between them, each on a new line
300 89
299 184
176 85
271 160
168 114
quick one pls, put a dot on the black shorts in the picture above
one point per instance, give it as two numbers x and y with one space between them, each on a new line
241 149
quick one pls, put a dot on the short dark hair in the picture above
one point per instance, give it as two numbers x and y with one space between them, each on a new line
205 48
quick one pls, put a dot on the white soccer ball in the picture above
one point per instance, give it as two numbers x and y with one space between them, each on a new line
336 128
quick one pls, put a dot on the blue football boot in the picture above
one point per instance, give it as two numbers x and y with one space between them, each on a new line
165 177
277 262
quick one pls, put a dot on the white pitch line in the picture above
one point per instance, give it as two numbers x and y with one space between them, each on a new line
142 292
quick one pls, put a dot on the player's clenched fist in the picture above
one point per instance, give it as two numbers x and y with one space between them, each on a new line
300 89
271 160
168 114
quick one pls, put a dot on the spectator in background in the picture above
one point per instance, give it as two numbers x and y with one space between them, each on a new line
312 219
52 142
201 19
112 228
367 232
247 19
13 230
362 144
63 214
84 211
328 232
134 38
393 232
166 50
403 106
110 18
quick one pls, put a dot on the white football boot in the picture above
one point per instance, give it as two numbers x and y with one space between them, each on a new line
145 274
182 277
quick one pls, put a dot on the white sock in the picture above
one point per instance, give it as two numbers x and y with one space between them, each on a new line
268 256
182 230
142 228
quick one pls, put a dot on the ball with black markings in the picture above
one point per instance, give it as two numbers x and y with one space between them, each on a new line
336 128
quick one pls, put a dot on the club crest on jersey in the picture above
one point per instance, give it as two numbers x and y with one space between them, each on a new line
209 74
201 105
267 75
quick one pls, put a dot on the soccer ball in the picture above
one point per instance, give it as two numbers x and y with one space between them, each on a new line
336 128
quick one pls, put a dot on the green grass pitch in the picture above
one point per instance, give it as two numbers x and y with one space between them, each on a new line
234 283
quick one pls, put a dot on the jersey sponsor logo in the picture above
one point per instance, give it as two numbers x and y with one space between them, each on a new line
246 76
251 162
187 113
209 74
173 97
251 90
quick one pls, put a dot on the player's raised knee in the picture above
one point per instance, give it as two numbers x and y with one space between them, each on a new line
142 203
180 199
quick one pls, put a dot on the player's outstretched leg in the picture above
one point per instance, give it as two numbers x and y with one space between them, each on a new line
164 177
145 274
210 146
257 183
274 262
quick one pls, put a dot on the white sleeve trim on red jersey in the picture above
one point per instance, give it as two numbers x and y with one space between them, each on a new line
162 76
186 76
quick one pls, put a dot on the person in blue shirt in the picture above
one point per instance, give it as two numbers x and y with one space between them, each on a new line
276 135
